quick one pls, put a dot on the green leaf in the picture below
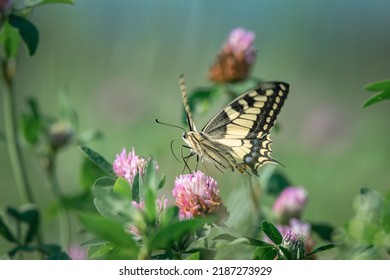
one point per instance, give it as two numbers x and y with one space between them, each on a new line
6 233
225 237
122 187
286 253
31 122
103 186
92 242
59 256
150 206
109 230
89 174
115 207
170 215
162 182
202 253
27 214
272 232
110 204
164 236
13 212
267 252
377 86
99 251
270 255
321 249
194 256
386 214
21 248
27 31
135 188
109 251
369 208
99 160
10 39
150 177
31 217
256 242
104 182
50 249
383 89
325 231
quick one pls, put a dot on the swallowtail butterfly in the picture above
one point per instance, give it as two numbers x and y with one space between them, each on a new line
238 136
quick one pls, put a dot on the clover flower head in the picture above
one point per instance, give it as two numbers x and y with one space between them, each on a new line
240 42
128 165
295 243
290 203
236 58
297 227
198 195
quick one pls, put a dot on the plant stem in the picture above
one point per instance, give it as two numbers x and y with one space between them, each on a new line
14 150
255 189
64 218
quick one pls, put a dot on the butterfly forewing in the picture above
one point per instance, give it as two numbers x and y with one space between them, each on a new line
238 135
251 115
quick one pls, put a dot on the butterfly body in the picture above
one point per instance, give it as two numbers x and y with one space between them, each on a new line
237 137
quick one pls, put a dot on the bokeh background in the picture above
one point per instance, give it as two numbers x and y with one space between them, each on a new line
120 62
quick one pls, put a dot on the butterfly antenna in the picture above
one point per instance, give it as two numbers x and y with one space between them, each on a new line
183 89
172 125
173 153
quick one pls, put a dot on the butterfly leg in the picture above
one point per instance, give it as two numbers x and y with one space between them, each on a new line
185 158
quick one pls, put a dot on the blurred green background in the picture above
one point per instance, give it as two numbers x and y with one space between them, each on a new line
120 62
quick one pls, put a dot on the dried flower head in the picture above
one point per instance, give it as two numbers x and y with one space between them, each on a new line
290 204
236 58
128 165
198 195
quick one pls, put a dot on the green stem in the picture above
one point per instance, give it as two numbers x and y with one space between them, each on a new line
255 189
64 218
14 149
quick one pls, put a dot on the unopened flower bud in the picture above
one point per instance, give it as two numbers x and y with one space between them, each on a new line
60 134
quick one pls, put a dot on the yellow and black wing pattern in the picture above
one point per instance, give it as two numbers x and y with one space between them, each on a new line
238 136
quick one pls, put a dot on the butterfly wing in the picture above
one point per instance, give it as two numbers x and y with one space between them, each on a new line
242 127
